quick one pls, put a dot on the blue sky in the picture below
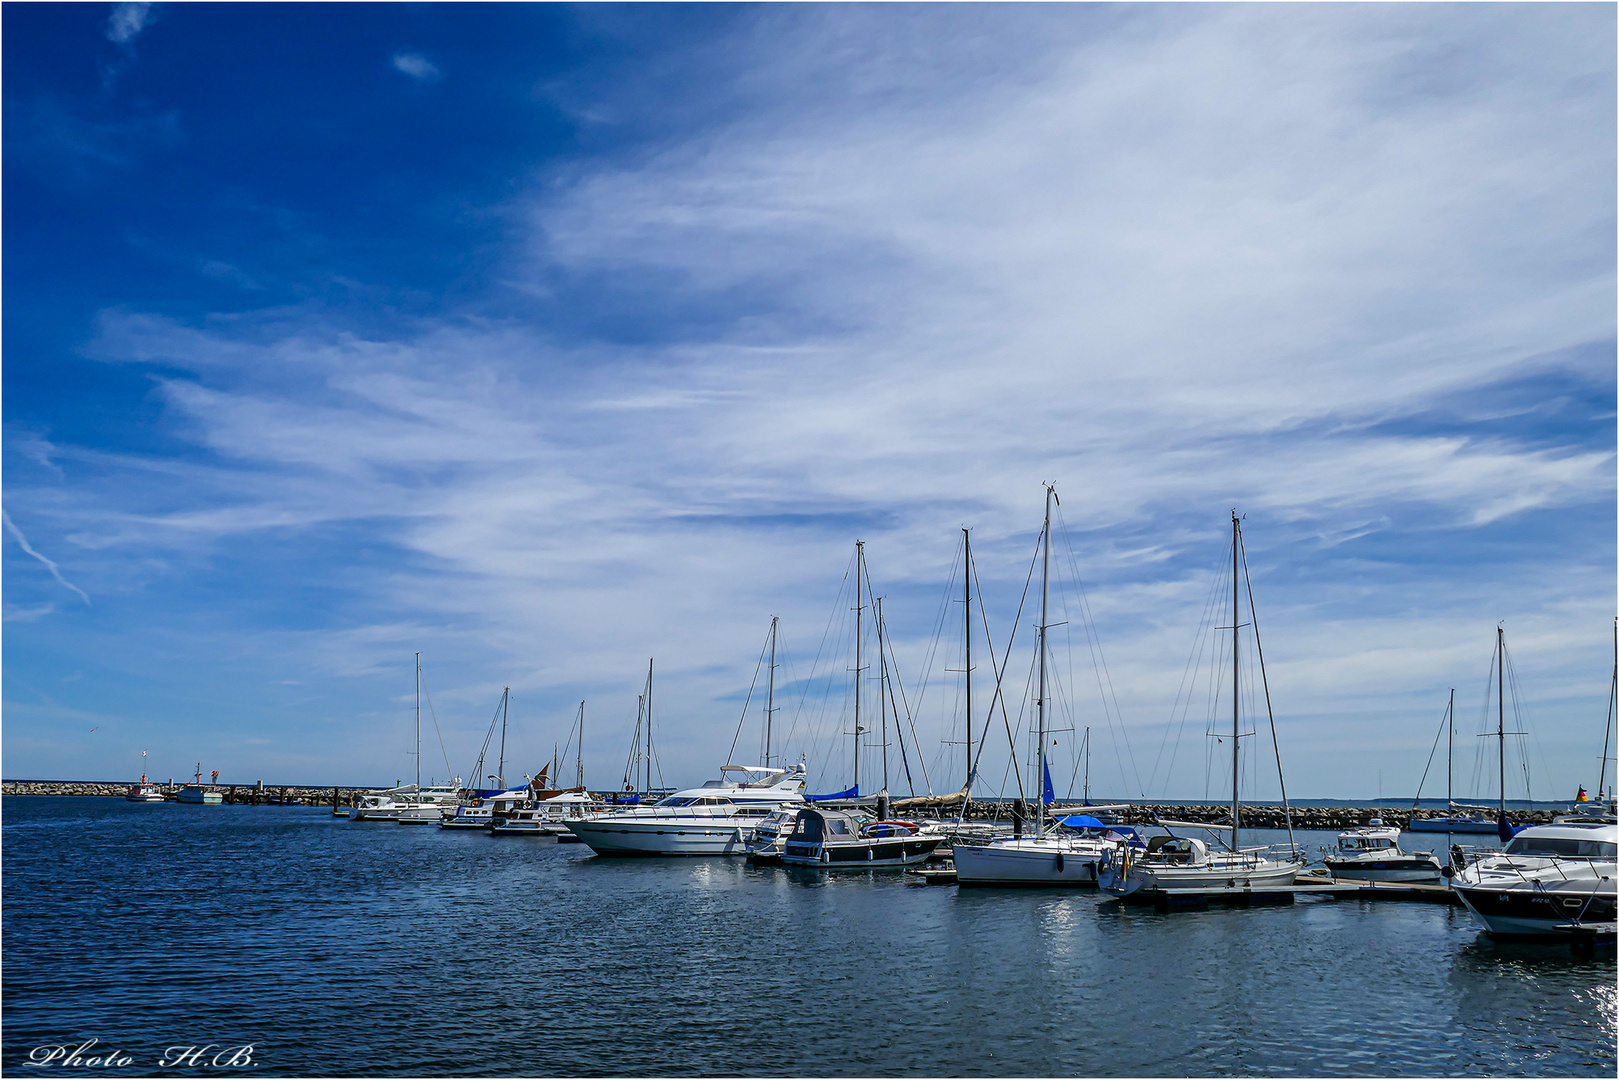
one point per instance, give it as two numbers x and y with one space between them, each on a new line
542 340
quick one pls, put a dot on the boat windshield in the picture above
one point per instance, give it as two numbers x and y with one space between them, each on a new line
1558 846
676 801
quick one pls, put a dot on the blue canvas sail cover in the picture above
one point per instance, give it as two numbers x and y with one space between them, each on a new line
1047 795
852 793
1503 828
1082 821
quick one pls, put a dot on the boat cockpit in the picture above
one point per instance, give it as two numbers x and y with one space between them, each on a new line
1178 850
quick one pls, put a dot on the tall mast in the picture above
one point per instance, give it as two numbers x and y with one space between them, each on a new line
859 616
1450 750
882 682
1501 710
1087 765
770 695
648 756
967 637
579 754
1040 701
1613 700
505 706
418 724
1235 804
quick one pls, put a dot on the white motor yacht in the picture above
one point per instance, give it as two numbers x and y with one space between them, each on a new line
1549 879
715 819
1372 853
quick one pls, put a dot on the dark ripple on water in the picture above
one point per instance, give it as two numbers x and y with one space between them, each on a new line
345 948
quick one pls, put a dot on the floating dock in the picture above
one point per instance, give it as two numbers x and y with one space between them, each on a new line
1178 899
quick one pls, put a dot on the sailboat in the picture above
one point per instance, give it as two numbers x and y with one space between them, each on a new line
1068 852
1172 863
1473 820
830 838
424 807
475 806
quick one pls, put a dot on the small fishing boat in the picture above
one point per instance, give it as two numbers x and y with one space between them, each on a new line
836 839
196 794
1372 853
144 791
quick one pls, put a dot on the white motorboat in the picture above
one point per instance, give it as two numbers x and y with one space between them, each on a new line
1549 880
379 807
527 815
473 811
429 806
839 840
1372 853
715 819
770 834
1172 863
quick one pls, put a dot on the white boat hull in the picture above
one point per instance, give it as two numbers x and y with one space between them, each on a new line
1389 870
607 836
869 854
1144 882
1025 862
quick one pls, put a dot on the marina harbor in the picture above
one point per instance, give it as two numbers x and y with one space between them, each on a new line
810 540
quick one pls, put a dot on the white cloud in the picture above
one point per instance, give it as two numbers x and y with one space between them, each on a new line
127 21
416 66
56 572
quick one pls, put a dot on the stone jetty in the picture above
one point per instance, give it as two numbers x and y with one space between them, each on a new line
1328 818
246 794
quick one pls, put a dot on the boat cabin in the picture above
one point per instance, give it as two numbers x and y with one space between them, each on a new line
1354 843
1177 850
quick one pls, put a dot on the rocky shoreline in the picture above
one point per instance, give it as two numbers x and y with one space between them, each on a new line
1325 818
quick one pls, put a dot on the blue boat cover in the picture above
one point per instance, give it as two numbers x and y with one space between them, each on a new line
852 793
1504 829
1081 821
1047 795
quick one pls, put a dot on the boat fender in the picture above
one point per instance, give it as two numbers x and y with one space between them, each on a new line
1105 861
1059 862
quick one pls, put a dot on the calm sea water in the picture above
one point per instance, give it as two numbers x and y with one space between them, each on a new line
342 948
